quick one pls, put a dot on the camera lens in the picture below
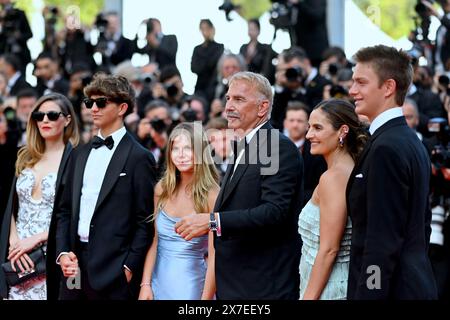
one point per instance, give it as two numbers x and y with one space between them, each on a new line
333 69
172 90
293 74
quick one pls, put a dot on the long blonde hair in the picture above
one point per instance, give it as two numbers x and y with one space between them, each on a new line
205 177
32 152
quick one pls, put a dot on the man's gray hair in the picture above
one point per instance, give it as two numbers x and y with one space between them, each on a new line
259 82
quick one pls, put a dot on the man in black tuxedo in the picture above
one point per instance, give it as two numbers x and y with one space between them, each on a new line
295 127
255 219
295 80
15 31
103 224
10 65
387 193
311 28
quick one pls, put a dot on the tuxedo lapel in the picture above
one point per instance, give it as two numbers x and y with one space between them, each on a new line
399 121
250 156
238 173
115 167
78 179
225 180
63 164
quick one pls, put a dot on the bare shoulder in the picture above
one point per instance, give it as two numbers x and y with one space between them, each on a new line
334 180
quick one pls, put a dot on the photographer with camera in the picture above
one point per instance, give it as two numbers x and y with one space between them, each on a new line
295 80
306 22
111 44
193 109
160 48
14 33
429 103
170 89
49 80
10 66
154 130
333 60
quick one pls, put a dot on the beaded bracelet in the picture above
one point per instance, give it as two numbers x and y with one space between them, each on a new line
145 284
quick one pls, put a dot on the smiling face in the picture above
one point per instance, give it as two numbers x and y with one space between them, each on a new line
182 154
369 96
52 130
323 137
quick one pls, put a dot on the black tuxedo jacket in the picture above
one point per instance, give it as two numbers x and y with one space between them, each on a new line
52 272
258 252
387 200
19 85
120 231
311 28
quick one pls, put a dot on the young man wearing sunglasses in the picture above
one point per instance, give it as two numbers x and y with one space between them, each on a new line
103 230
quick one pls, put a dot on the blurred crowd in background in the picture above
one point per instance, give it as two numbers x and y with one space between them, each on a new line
302 76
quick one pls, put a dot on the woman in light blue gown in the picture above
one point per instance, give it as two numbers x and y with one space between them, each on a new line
335 133
176 269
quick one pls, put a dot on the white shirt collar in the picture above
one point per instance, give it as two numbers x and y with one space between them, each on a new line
13 79
250 135
384 117
311 76
299 143
412 89
116 135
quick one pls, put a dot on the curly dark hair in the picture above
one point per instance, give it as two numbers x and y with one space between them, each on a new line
115 88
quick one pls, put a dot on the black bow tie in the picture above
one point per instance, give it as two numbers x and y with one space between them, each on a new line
97 142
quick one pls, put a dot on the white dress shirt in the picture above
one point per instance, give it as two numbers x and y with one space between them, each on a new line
12 81
384 117
248 137
94 174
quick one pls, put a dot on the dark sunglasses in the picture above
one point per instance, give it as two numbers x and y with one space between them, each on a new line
51 115
100 102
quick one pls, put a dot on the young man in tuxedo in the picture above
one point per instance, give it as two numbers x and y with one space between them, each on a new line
387 194
255 218
103 225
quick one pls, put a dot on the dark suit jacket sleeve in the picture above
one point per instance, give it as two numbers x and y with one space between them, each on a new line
313 10
169 46
277 192
63 210
144 181
387 215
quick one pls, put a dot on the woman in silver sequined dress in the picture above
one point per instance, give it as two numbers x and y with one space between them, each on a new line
50 126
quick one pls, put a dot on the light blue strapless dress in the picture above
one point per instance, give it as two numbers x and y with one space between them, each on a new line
309 229
180 267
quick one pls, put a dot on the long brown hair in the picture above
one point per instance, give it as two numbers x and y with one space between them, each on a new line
32 152
205 173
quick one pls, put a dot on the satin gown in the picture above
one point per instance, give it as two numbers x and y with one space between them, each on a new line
180 267
309 229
